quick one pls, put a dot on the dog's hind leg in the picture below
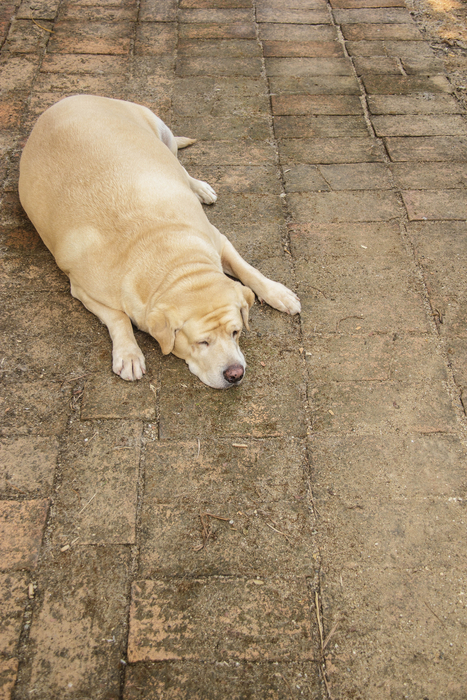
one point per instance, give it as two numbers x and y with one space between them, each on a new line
127 359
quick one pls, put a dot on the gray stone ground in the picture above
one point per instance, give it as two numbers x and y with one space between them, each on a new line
302 536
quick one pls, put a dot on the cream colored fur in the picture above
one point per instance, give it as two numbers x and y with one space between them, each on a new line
100 181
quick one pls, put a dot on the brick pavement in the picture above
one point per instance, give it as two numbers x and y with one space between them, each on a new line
333 562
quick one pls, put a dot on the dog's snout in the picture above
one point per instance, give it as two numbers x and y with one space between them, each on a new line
234 373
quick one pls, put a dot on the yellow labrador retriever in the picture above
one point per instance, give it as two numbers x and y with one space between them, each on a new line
100 181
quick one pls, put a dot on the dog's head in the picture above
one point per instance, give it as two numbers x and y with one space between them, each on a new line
205 331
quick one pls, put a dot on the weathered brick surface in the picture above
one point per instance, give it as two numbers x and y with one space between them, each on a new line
300 535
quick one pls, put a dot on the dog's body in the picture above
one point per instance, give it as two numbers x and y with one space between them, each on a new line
100 181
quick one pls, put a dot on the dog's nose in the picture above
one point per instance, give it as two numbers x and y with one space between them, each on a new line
234 373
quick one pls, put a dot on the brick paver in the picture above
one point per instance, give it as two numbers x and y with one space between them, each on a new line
302 536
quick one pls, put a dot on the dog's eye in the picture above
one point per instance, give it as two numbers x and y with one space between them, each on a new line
203 342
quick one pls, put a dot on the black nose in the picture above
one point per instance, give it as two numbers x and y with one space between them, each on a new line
234 373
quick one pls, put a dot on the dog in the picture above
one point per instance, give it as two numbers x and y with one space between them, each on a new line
102 184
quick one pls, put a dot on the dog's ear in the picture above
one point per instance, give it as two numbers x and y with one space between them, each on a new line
249 300
162 330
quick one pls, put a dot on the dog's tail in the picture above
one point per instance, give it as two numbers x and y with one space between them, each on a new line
183 142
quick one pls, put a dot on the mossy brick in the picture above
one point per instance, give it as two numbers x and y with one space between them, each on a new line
213 611
344 205
435 205
83 64
425 103
26 37
93 13
297 32
381 32
332 150
427 148
22 526
91 38
220 48
316 104
76 638
18 72
31 10
310 49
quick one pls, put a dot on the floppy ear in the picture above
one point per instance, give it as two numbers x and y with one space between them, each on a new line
162 330
249 298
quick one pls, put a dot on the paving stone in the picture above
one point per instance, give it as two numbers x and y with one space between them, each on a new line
370 407
219 98
293 15
235 126
27 465
82 64
423 66
126 12
155 39
413 466
372 15
329 207
21 525
258 408
399 612
304 178
440 251
423 176
26 37
261 179
311 49
315 85
18 72
46 10
424 148
320 126
419 125
14 594
362 47
402 85
158 11
241 152
219 15
211 30
323 242
77 639
435 205
220 48
333 150
297 32
252 539
8 673
298 67
357 176
274 626
381 32
35 407
351 4
243 679
90 38
316 104
377 64
428 103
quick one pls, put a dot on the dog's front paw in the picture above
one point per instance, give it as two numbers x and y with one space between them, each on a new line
282 298
129 365
204 192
